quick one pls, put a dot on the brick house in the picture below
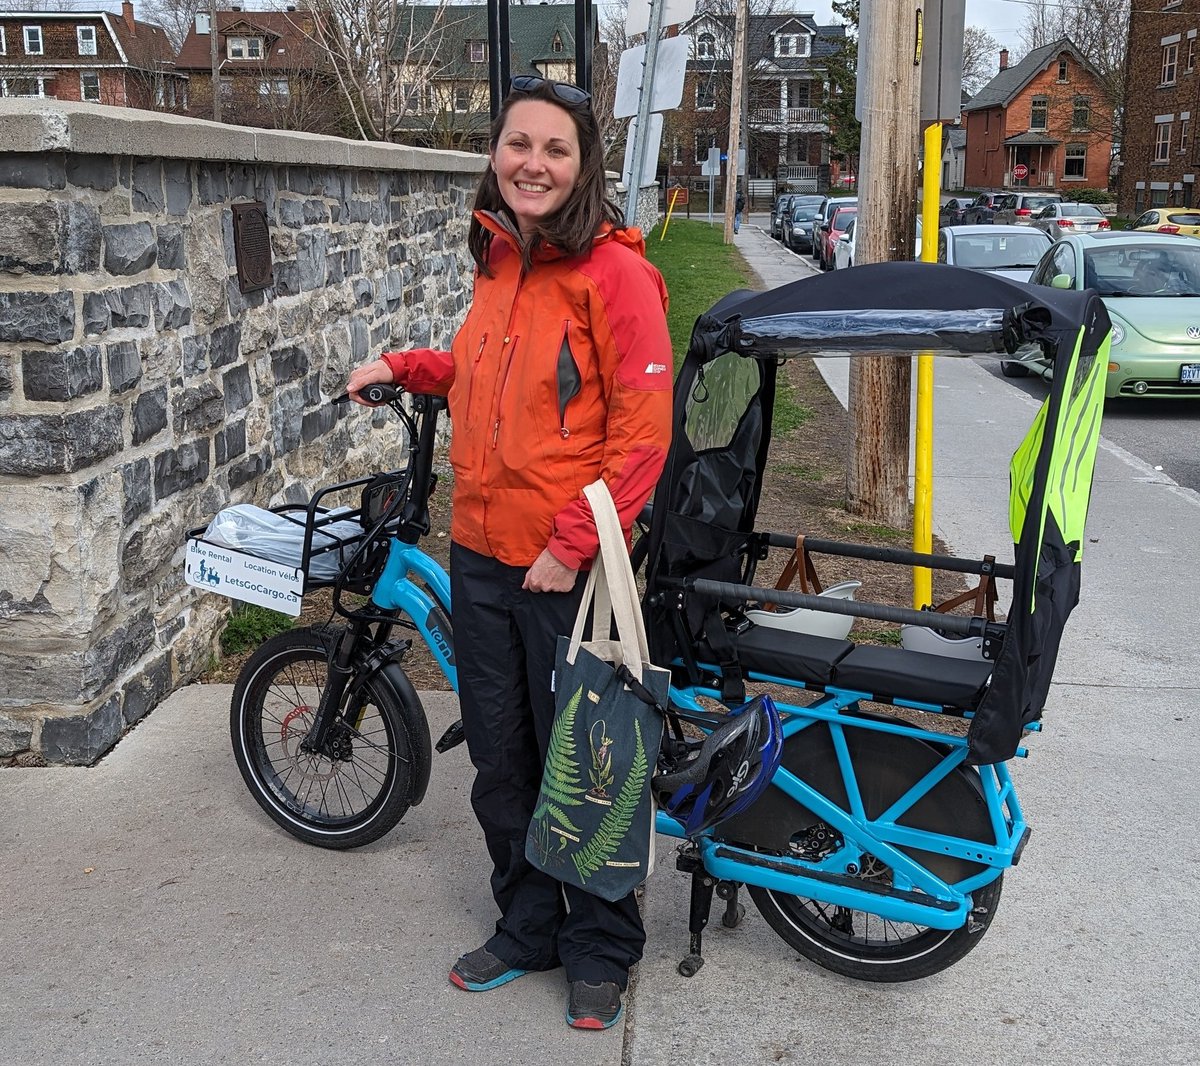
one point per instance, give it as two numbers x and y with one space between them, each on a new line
89 55
1049 114
1159 159
785 125
272 71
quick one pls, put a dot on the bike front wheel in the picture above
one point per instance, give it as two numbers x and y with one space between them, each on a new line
362 785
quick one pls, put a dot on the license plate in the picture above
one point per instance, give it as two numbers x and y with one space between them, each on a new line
1189 374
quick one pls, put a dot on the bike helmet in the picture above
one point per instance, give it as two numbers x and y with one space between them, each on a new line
703 782
931 642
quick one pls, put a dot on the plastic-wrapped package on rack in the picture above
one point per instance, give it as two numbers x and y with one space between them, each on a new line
280 537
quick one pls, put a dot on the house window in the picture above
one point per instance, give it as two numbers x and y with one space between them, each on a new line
477 51
706 46
556 45
410 97
1185 134
244 47
89 86
1075 167
1038 111
677 152
3 43
1158 197
706 95
86 37
462 98
1081 114
160 92
1162 142
23 87
33 40
791 44
1170 56
1063 68
704 138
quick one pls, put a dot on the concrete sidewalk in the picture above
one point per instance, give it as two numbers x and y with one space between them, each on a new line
154 914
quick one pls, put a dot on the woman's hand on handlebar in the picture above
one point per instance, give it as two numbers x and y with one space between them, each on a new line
374 373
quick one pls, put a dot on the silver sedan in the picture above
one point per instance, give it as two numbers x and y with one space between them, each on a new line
1061 220
1010 251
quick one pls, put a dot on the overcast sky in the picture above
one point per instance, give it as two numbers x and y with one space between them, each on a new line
1001 18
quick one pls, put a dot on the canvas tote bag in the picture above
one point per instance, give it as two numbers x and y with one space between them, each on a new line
593 824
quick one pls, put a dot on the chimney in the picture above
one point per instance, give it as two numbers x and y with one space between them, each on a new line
1004 59
127 14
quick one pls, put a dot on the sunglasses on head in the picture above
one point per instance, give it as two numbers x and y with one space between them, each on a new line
568 94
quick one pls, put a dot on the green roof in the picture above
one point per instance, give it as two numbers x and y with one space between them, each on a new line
533 32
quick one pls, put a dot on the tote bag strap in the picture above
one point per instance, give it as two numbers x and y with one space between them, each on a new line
611 587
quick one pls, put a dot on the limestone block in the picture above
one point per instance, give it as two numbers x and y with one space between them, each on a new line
37 316
81 234
15 736
207 272
29 235
80 739
62 375
129 248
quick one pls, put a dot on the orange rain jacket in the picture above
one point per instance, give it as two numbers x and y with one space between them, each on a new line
557 377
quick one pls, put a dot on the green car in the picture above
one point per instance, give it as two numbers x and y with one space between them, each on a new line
1150 284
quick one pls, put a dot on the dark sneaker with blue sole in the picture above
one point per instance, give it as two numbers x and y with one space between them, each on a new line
593 1006
480 970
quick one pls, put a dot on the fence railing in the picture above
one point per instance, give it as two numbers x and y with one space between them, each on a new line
787 116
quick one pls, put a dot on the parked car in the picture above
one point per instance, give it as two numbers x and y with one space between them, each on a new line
1168 220
828 205
952 211
798 223
1009 251
828 236
1018 208
1057 220
1151 287
778 210
845 246
979 210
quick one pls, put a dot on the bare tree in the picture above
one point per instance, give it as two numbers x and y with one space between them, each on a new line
981 52
174 16
1098 28
383 56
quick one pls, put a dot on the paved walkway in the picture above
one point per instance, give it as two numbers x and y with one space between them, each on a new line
153 914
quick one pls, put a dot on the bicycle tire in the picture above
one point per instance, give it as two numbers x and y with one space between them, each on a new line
273 702
854 943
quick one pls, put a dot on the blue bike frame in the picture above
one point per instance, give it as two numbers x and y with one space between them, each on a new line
916 895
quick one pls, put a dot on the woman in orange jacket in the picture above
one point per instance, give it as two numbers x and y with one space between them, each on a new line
561 374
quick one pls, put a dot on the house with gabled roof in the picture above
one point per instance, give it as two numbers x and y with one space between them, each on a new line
271 70
1043 123
444 50
786 125
93 56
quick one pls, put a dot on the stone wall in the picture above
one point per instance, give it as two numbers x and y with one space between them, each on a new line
141 390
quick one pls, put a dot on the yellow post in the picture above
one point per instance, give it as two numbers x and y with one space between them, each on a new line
670 208
923 481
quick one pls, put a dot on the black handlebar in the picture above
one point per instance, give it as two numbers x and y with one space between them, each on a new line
374 395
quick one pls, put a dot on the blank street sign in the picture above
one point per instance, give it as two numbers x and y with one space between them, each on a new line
669 69
650 160
637 19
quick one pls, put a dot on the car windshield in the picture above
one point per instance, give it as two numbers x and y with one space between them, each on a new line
1034 202
1186 219
1080 210
1144 269
1000 251
841 216
805 213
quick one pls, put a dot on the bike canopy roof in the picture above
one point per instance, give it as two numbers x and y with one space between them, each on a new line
707 497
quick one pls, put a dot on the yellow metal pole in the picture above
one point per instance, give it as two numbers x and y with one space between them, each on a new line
923 482
670 208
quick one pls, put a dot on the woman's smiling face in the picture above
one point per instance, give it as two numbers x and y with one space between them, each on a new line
537 161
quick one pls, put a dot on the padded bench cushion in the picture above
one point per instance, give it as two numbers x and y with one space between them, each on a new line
913 675
798 656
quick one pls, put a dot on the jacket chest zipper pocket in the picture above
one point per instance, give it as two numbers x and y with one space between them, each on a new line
512 351
569 380
475 371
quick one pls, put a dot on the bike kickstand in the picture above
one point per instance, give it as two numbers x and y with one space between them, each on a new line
703 884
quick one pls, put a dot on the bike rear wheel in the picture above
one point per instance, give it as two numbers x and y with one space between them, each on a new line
857 943
343 799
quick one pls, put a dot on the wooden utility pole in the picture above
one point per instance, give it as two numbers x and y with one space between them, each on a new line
735 114
889 83
214 59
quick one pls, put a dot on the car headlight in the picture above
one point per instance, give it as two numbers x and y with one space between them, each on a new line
1118 333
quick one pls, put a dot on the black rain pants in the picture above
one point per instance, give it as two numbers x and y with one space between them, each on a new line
504 642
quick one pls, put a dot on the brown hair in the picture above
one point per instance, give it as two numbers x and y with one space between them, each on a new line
573 228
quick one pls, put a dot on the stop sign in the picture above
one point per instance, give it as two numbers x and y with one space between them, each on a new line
1020 172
